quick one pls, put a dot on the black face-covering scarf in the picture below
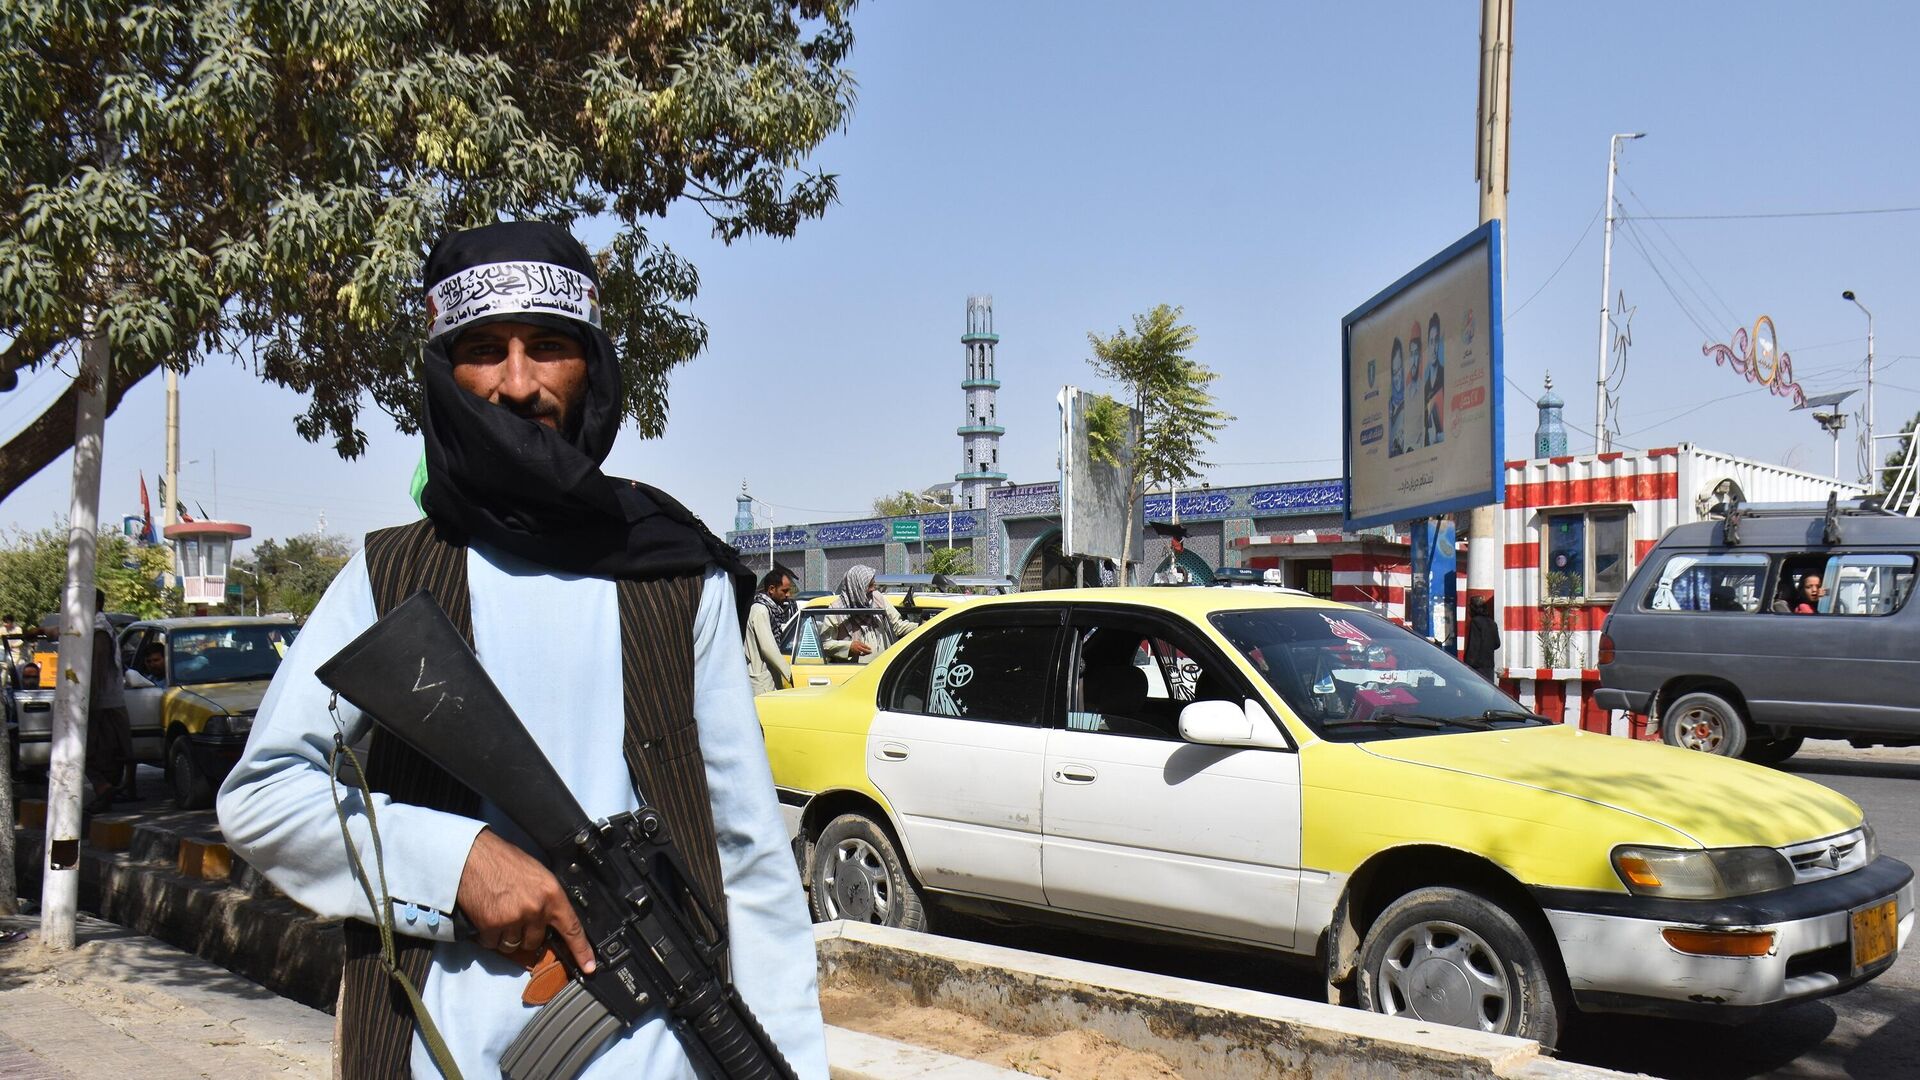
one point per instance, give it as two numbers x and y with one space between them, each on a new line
509 482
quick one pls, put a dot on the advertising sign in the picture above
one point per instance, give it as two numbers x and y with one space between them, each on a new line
1421 374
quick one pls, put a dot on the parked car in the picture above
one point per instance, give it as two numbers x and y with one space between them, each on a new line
1714 637
193 686
1252 768
29 704
812 664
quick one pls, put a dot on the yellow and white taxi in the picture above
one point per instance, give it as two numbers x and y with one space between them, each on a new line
819 655
1270 770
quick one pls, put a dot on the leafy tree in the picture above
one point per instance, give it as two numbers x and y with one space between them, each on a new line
906 504
291 575
33 575
1171 392
1890 470
260 178
948 560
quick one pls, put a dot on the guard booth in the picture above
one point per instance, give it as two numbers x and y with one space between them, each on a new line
202 551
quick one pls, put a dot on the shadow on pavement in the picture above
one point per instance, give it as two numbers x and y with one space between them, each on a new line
1814 767
1688 1050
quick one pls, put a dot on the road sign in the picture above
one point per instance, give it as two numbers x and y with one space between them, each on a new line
905 531
236 589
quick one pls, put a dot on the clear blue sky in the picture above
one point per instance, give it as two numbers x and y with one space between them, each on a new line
1267 166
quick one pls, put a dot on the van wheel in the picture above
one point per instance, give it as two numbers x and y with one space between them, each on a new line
1772 751
858 875
1705 722
1446 956
191 791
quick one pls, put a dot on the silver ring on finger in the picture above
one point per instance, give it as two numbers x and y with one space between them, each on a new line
511 943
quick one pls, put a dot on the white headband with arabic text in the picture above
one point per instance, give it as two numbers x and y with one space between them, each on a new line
505 288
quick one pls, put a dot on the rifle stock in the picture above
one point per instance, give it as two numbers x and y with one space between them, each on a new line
414 675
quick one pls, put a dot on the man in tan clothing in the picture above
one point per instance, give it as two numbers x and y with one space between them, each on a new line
767 667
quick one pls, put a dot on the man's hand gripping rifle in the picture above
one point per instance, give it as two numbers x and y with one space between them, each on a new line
654 939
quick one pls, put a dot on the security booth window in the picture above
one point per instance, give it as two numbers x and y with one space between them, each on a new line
1695 582
1867 584
1587 554
979 672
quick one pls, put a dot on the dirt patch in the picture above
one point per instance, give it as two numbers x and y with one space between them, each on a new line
1067 1055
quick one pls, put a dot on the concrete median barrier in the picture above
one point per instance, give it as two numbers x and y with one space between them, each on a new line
1173 1027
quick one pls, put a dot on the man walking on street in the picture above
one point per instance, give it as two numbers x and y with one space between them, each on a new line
767 668
109 754
526 540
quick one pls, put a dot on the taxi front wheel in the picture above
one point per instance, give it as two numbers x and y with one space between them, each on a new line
1446 956
191 790
858 875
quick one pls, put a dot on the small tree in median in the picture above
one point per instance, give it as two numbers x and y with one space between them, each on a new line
1171 392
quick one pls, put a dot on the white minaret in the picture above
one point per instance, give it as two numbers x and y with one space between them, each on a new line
980 431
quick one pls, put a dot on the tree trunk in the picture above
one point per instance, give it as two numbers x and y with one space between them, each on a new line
9 888
51 433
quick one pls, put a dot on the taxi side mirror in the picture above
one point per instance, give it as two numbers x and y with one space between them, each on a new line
137 681
1228 723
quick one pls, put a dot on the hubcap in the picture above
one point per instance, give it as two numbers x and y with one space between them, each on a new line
1443 973
1702 728
856 883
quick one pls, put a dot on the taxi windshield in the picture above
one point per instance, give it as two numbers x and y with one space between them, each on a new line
229 653
1355 677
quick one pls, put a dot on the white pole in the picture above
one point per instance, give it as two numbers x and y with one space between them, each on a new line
167 514
1603 440
60 881
1873 448
1486 555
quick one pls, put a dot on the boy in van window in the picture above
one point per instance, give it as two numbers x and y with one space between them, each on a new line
1810 592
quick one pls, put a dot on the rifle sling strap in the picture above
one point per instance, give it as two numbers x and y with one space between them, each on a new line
661 747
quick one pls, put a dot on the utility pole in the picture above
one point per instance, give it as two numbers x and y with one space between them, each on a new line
60 881
168 516
1485 556
1603 440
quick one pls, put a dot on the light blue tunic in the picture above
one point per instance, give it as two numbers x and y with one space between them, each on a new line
552 644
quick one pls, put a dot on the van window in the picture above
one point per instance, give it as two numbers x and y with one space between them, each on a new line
1690 582
1867 584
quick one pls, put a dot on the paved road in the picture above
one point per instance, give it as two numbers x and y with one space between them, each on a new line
1872 1033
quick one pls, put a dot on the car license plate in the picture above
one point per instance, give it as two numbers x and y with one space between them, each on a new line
1876 933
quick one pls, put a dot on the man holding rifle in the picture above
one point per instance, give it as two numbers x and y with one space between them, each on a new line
526 541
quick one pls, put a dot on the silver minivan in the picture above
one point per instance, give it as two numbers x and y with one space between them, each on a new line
1745 634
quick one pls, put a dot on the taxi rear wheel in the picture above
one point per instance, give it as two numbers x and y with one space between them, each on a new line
1705 722
1447 956
858 875
191 790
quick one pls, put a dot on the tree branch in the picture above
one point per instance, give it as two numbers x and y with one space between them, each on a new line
51 433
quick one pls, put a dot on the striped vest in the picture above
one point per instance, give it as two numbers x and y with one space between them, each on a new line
662 749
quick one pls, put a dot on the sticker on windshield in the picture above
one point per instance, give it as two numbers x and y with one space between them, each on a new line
1341 628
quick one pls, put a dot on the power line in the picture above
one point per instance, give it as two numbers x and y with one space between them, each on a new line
1508 317
1726 310
1531 400
1788 214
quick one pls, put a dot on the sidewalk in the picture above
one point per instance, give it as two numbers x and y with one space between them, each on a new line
123 1005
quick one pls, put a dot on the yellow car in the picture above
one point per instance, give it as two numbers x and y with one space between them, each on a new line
820 656
192 688
1270 770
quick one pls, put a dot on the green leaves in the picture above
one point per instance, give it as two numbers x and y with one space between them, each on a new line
265 176
1170 389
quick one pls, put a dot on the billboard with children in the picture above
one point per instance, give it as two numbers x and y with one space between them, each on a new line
1421 374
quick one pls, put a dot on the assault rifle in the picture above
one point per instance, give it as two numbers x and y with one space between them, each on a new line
654 939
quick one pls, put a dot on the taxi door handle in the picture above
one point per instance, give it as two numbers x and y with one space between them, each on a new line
1075 774
893 751
819 680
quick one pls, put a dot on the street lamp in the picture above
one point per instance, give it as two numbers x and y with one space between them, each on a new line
1827 413
1873 452
1603 442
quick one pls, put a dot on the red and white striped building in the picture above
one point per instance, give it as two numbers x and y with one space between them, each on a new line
1576 528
